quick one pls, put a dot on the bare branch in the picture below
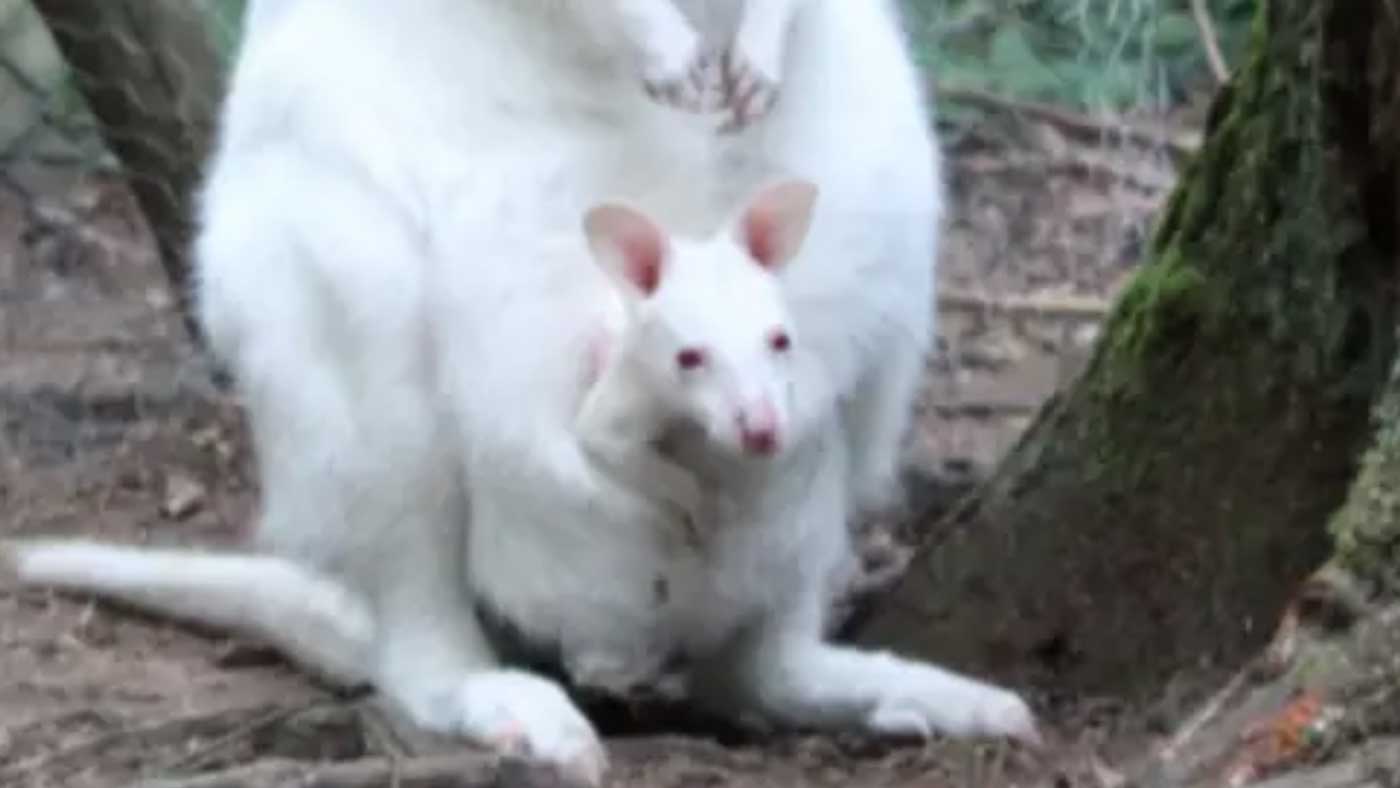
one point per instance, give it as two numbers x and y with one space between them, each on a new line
1042 306
1180 144
1211 41
461 770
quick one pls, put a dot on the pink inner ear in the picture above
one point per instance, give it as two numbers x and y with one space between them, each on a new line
642 252
761 231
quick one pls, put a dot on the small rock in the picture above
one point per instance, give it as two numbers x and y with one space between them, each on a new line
236 655
159 298
183 496
133 479
214 440
1086 335
207 437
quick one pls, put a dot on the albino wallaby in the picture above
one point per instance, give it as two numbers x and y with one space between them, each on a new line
708 341
700 342
370 269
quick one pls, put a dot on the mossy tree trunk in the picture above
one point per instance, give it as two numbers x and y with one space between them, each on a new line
152 78
1161 514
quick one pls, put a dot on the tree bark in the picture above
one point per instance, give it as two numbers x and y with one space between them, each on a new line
1159 516
151 76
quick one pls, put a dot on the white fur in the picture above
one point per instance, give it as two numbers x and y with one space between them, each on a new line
376 267
733 61
675 65
718 300
774 537
315 621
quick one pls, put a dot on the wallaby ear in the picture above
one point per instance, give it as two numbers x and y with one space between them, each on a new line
627 244
775 224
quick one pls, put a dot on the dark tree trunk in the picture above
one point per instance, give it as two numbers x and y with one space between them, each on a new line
149 72
1161 514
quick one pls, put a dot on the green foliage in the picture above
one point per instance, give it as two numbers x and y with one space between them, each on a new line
43 115
225 23
1094 53
39 100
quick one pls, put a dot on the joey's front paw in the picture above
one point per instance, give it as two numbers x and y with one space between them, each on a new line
681 491
751 87
928 700
516 713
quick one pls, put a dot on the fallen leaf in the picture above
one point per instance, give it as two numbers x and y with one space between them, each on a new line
184 496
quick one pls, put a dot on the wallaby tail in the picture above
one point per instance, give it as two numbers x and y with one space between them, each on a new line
309 617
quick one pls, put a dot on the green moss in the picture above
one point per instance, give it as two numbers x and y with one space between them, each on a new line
1165 302
1366 528
1262 257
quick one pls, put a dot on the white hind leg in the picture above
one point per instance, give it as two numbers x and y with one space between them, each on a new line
877 417
328 334
794 679
435 662
782 670
361 481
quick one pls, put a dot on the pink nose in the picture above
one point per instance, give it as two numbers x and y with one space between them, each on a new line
763 441
758 429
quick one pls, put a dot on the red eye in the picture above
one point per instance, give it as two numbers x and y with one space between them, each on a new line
690 358
779 341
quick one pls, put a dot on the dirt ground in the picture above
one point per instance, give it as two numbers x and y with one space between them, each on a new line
110 427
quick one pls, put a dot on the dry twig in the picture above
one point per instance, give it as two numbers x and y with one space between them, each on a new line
1181 144
1373 765
460 770
1211 41
200 755
1152 180
1037 306
66 757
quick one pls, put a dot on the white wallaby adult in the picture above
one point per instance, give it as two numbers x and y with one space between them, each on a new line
373 269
